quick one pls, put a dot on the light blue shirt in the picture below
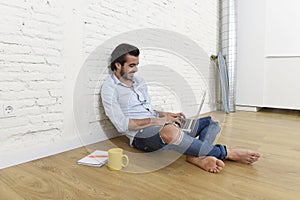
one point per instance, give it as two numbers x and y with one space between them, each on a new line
122 103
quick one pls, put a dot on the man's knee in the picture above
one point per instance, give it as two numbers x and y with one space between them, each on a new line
171 134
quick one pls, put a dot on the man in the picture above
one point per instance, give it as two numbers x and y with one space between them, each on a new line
127 104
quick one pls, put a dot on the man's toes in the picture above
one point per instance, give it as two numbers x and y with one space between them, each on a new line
257 155
220 163
214 170
252 159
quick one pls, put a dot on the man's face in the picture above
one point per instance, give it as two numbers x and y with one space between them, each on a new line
129 68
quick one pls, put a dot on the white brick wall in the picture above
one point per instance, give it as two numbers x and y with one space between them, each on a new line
105 19
198 19
37 68
31 73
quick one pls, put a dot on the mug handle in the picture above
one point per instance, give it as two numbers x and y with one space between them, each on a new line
127 161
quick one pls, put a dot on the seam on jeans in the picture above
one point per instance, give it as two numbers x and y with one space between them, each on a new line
161 138
166 124
225 149
179 137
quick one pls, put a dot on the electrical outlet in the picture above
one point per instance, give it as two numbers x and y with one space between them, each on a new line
7 110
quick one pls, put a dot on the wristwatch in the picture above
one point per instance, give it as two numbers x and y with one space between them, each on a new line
173 123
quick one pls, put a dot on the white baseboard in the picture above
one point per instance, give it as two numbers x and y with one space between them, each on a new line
247 108
8 159
12 158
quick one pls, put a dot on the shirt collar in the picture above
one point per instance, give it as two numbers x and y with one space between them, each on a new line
116 80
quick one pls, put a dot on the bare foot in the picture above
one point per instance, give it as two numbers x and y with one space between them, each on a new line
242 155
207 163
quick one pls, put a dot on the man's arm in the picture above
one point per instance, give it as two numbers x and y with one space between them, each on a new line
137 124
164 117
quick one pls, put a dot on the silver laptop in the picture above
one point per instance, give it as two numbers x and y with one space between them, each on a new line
189 124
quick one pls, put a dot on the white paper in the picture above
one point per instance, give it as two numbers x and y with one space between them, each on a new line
95 159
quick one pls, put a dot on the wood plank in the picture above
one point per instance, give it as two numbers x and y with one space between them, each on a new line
6 192
275 176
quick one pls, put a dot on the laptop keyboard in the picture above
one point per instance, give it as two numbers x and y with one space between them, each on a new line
186 123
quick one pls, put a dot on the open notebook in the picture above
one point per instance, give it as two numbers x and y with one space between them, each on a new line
189 124
95 159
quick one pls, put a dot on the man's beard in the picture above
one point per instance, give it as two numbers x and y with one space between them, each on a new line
124 75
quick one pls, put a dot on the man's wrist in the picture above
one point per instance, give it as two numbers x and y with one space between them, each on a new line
160 121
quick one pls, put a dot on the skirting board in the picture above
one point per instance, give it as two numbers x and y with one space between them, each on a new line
248 108
8 159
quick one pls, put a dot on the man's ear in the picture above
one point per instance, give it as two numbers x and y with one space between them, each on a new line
118 65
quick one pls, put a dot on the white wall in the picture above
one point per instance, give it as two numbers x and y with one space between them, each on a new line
268 55
31 77
282 30
43 46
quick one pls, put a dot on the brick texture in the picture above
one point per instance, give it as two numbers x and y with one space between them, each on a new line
32 54
31 74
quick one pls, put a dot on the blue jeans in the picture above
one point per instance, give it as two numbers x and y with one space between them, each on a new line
149 140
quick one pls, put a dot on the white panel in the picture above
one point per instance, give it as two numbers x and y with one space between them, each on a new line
282 83
268 55
250 51
282 28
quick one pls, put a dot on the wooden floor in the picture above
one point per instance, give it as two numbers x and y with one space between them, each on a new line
276 176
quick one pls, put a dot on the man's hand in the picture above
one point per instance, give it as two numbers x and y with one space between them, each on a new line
164 117
174 117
